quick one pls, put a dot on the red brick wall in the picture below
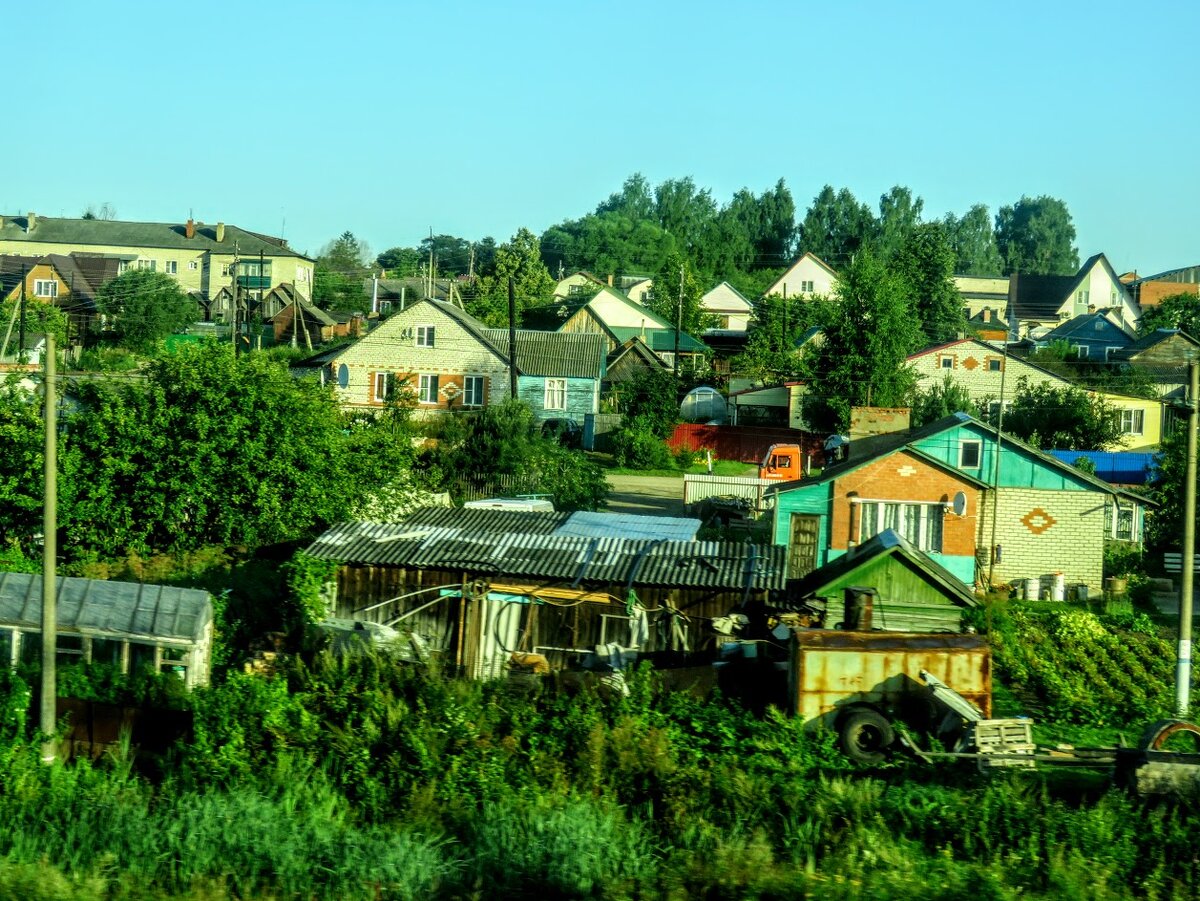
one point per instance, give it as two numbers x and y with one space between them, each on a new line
904 477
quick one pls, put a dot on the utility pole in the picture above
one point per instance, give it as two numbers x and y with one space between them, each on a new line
678 320
233 271
1183 669
49 712
429 293
996 471
21 332
512 339
471 265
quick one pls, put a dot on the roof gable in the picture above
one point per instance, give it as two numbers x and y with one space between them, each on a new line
808 264
725 297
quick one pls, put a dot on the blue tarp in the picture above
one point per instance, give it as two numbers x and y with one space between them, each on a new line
1115 467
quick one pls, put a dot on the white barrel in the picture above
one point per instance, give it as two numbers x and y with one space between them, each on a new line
1031 589
1058 587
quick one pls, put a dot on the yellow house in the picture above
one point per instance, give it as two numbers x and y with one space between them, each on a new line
203 258
1141 420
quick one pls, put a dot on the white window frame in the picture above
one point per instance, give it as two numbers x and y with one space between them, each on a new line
381 386
1133 421
806 287
427 388
425 336
151 265
193 265
1108 352
171 267
473 388
928 514
556 394
962 447
1080 351
45 287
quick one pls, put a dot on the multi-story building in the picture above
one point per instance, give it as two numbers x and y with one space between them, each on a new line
203 258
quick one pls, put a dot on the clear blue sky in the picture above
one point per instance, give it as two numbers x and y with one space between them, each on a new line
478 118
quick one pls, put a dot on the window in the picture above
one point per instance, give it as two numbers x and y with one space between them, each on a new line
806 287
170 267
574 290
428 391
556 394
1080 351
473 391
147 264
1108 352
1082 297
424 336
919 524
1132 422
946 362
994 365
47 287
382 386
122 266
969 453
225 268
193 265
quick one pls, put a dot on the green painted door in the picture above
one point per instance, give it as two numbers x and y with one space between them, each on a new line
802 544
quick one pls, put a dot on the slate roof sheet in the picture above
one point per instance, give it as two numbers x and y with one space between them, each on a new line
510 543
117 609
554 354
50 230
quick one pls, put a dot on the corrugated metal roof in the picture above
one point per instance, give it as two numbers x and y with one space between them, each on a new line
529 544
98 607
585 524
554 354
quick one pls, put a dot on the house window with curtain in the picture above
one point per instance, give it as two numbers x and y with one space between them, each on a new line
1132 422
473 391
427 392
556 394
382 386
45 288
920 524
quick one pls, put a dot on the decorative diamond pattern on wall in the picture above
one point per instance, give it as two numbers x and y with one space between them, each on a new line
906 470
970 363
1038 520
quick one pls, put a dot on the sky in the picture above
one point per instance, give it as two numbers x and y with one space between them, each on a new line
476 119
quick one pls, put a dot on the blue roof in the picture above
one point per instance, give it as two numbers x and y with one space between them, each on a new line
1115 467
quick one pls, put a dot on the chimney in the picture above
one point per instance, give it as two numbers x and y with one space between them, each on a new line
220 232
191 229
30 221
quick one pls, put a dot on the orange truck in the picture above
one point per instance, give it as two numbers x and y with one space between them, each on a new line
782 463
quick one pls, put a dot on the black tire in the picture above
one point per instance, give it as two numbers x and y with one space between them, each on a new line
865 736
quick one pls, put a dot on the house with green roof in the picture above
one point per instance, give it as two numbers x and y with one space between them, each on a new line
974 500
204 259
609 313
452 361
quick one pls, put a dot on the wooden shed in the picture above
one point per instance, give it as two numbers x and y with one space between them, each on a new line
914 593
477 586
128 624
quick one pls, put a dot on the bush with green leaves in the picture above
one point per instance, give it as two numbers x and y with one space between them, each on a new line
636 445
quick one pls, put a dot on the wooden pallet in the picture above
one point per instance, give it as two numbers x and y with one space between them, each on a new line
1001 743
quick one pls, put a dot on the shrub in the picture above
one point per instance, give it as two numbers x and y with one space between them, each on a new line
636 446
686 458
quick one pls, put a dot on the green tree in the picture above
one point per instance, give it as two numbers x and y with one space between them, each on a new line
863 358
1181 311
339 272
686 212
608 243
346 255
836 226
635 200
653 395
926 261
1061 418
771 352
40 316
668 302
520 260
145 307
1036 236
213 449
400 262
21 467
941 400
1165 528
899 215
974 242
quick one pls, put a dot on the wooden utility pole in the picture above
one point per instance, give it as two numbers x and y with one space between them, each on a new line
512 338
49 712
233 282
21 332
678 321
1183 669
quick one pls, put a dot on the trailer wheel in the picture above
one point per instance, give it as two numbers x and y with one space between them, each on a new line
1157 735
865 735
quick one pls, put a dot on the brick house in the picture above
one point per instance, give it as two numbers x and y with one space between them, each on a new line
452 361
933 485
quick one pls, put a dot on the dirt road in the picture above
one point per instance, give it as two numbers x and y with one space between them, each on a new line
648 495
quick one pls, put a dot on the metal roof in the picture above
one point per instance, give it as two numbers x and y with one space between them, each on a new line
98 607
585 524
500 542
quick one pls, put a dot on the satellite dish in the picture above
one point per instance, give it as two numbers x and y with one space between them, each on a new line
959 504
